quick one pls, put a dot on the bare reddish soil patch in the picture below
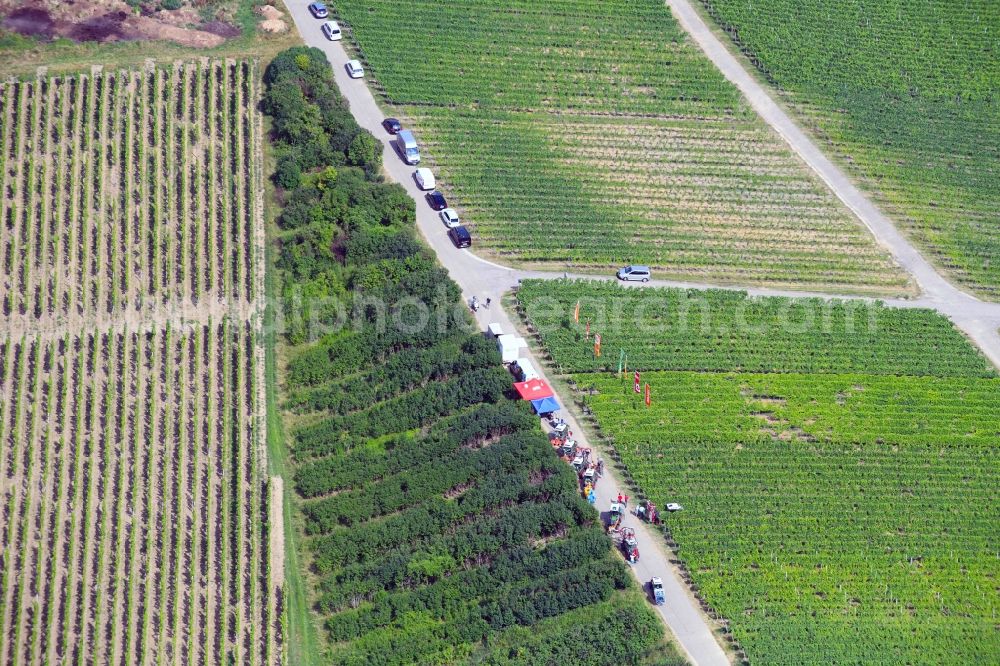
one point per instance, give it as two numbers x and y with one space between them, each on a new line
110 21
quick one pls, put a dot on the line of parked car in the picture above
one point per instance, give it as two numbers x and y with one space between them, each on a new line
405 142
406 146
331 30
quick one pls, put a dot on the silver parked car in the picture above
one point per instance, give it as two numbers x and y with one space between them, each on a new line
640 273
354 69
450 218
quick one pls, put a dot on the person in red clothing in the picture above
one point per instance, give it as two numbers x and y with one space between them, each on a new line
626 501
619 498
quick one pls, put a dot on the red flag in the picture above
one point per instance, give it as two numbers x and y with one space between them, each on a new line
637 388
588 329
647 395
597 345
576 312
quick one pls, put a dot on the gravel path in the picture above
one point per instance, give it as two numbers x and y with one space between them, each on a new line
482 278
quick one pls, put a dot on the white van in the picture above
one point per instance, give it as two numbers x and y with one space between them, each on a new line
424 178
407 146
332 31
640 273
508 345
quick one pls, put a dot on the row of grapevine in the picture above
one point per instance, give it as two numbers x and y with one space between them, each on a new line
828 518
124 190
818 408
133 517
717 330
605 137
717 199
907 94
628 58
135 507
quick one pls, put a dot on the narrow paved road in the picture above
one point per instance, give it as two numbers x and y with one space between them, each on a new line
477 276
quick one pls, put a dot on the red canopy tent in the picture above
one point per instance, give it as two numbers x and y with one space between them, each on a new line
533 389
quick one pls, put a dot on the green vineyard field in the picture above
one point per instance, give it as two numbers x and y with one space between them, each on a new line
907 94
838 488
92 226
603 137
855 523
716 330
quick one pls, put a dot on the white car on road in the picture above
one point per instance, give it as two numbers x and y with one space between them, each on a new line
332 31
450 218
424 178
354 69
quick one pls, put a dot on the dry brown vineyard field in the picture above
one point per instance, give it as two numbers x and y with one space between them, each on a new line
134 500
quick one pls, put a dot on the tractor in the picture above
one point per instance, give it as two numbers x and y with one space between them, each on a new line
615 516
629 544
559 434
581 459
647 511
568 449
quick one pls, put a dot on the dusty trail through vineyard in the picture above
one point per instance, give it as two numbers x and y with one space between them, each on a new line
683 614
182 314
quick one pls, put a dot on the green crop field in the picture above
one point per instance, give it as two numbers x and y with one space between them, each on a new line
907 93
602 136
836 510
717 330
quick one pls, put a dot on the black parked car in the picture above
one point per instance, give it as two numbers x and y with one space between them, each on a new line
436 200
460 236
391 125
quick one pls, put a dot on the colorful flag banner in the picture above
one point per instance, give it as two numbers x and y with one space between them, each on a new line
621 360
647 395
588 329
597 345
576 312
638 389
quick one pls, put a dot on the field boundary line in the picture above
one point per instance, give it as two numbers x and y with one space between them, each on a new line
180 314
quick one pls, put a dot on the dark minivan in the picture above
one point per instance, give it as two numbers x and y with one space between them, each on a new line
460 236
